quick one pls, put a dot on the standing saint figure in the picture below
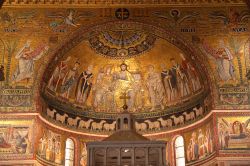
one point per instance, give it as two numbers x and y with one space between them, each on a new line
209 142
58 74
2 75
191 74
201 143
108 89
98 90
69 80
221 134
224 60
43 142
84 85
155 88
26 57
58 159
103 90
182 81
83 159
139 91
166 81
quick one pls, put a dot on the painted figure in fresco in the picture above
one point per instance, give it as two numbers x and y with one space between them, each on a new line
83 160
43 142
226 138
58 74
201 143
155 88
237 128
222 131
69 80
224 60
49 149
209 140
166 81
84 85
26 57
3 142
20 142
194 147
181 78
189 152
58 159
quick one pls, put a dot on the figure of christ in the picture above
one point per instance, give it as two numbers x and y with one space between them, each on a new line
224 60
69 80
181 78
84 85
166 81
155 88
124 82
26 57
58 74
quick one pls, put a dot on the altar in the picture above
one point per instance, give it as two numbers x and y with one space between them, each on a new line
126 147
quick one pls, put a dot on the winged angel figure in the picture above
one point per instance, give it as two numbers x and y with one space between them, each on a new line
70 18
12 18
233 18
176 16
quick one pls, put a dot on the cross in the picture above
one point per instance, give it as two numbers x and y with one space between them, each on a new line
124 97
122 13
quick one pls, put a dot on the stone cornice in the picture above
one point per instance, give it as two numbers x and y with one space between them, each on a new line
119 3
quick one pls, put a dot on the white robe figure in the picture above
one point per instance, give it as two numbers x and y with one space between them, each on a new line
224 60
26 57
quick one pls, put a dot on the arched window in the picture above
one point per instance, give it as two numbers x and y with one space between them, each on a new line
179 151
69 152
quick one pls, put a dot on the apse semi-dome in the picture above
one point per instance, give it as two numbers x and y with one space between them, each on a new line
94 76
